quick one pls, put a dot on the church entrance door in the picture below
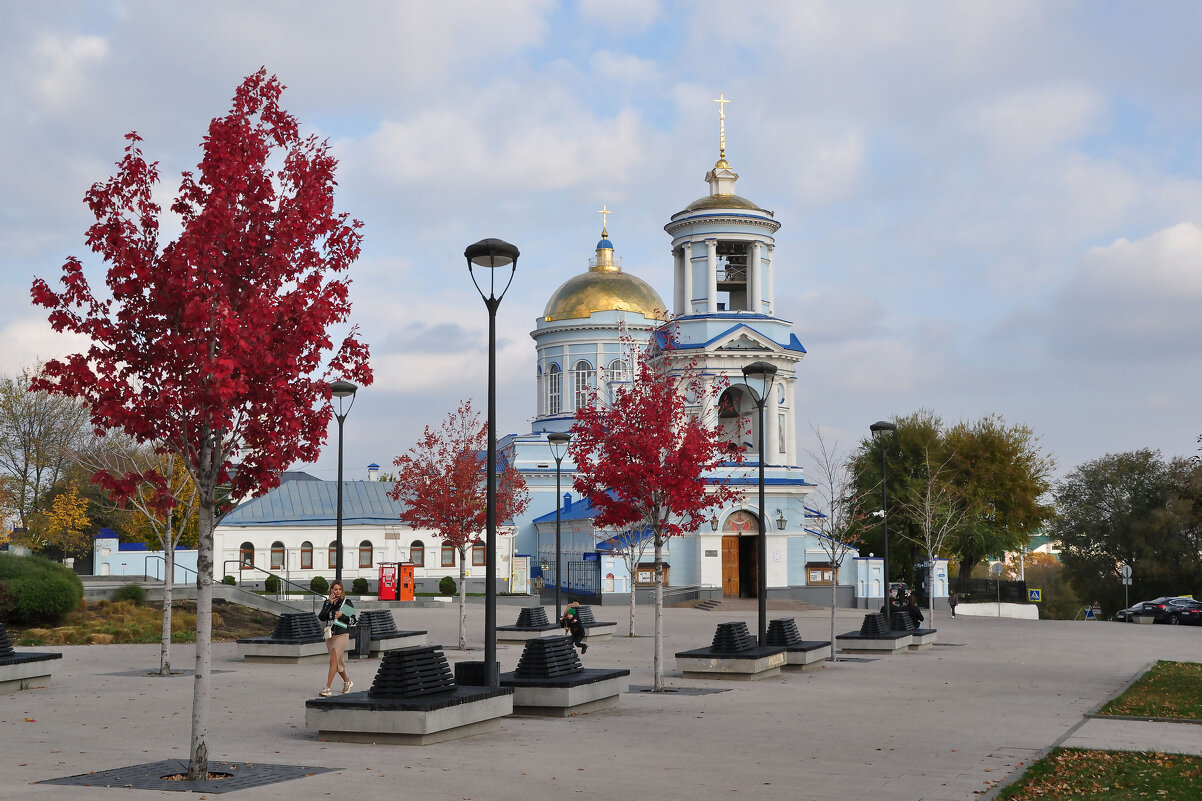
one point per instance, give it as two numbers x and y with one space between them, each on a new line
730 566
748 576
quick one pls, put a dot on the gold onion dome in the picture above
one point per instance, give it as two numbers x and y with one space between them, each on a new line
604 288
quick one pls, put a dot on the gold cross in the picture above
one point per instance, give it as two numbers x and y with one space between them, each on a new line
722 101
604 219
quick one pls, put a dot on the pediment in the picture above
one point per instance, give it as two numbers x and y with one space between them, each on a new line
745 342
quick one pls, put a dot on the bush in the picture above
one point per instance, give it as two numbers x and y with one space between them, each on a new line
319 585
131 592
272 584
230 580
447 585
359 586
36 591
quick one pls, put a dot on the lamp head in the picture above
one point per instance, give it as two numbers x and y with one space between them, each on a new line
491 253
558 440
882 427
342 389
762 373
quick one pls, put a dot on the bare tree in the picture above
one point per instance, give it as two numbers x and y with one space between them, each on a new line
632 547
938 511
839 518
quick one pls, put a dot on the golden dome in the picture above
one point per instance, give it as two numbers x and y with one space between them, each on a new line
604 288
722 202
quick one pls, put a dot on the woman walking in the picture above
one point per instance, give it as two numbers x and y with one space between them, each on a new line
336 614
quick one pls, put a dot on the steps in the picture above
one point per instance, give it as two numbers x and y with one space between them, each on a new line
707 605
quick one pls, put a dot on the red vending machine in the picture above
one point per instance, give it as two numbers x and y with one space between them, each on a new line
388 581
406 589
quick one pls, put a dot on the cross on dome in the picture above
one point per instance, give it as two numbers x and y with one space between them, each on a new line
605 212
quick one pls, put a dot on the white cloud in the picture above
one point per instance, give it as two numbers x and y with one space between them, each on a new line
28 341
1028 124
627 16
62 63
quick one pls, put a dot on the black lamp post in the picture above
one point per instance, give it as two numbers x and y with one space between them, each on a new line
341 390
559 443
491 254
879 429
763 374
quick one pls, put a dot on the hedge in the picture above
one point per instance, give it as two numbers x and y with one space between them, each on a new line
36 591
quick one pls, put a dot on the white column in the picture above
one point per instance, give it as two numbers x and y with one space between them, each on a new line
686 265
771 440
771 295
756 279
791 421
678 280
711 272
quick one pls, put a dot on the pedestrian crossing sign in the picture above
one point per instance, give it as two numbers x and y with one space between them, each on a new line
1035 596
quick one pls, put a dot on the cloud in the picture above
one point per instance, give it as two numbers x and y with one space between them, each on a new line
1025 125
627 16
28 341
62 64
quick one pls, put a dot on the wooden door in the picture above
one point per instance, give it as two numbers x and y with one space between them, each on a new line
730 566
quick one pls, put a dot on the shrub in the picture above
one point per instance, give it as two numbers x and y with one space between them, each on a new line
319 585
230 580
359 586
447 585
131 592
34 590
272 584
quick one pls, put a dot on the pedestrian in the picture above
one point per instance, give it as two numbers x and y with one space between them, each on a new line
571 621
952 600
912 608
336 614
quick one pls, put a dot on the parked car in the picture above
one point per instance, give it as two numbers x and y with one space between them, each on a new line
1190 614
1167 609
1125 615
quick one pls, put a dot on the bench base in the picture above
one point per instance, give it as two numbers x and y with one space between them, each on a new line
283 652
922 640
25 674
807 655
515 634
424 720
574 694
594 632
749 665
855 643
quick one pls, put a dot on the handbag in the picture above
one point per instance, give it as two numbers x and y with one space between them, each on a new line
327 630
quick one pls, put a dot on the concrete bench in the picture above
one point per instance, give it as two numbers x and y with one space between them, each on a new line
733 654
594 629
550 680
532 624
799 653
384 635
297 638
22 670
920 639
413 700
874 637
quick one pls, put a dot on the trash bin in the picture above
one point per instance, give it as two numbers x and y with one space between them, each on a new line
361 635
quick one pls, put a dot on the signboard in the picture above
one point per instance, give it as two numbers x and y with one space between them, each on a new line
1035 596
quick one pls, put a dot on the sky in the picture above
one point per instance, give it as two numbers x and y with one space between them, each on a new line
988 208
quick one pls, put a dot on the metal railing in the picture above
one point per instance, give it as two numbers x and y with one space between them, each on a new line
315 598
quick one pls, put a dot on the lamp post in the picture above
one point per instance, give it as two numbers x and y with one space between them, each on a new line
879 429
340 390
559 443
491 254
763 374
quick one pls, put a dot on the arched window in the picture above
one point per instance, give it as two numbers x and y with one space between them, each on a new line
617 374
417 553
478 554
365 553
277 555
582 383
246 555
542 395
448 556
553 389
306 555
333 556
736 425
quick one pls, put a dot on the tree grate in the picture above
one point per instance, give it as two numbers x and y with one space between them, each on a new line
297 626
903 622
380 622
152 776
874 625
412 672
548 657
532 617
783 631
731 638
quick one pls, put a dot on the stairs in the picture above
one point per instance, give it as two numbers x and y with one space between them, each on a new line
708 605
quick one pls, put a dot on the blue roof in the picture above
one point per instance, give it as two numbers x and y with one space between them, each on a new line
315 503
581 510
605 244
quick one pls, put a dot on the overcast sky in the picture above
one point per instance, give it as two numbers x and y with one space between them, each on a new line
986 208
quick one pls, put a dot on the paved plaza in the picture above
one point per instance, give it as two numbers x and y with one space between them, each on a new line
947 724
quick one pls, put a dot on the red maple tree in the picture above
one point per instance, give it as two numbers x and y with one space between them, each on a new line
441 481
215 346
644 459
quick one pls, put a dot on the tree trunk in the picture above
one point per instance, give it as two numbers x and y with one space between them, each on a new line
168 582
659 615
198 754
463 598
834 600
633 573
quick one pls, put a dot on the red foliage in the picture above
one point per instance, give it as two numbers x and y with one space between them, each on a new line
214 345
643 460
441 481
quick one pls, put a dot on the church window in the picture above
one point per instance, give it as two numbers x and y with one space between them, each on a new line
616 375
365 553
417 553
332 556
448 556
732 275
246 555
277 555
553 390
582 380
306 555
478 554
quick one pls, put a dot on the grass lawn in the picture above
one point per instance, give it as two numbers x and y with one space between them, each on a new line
117 622
1167 690
1069 774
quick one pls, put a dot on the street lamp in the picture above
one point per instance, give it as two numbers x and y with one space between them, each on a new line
763 374
491 254
341 390
879 429
559 443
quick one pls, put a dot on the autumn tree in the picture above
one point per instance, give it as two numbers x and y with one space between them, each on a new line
642 460
215 346
66 525
441 482
40 434
840 518
937 509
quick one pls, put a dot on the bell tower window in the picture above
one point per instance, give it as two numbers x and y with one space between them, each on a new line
553 400
582 381
732 277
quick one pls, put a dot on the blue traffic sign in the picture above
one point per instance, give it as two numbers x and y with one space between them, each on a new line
1035 596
